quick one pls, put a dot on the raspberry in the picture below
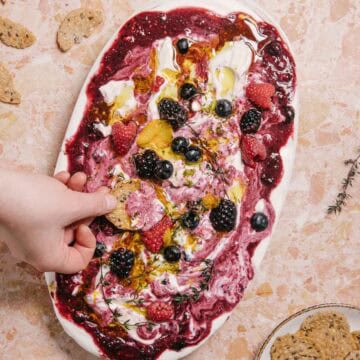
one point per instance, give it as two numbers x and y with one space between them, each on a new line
123 136
173 112
121 262
159 81
154 238
159 311
223 217
252 150
145 164
250 121
261 94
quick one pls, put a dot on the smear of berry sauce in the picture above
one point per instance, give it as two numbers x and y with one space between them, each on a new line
274 65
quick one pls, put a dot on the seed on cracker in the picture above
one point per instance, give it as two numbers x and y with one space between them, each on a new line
76 25
356 337
353 355
119 216
15 35
330 331
291 347
8 93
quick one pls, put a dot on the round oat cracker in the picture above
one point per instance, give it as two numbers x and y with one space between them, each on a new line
330 331
293 347
119 216
8 92
77 24
329 319
15 35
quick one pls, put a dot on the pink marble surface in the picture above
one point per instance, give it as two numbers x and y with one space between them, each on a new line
313 258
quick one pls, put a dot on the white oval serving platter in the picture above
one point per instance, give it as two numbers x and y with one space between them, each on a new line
277 196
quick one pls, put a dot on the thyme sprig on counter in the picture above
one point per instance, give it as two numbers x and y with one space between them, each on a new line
347 182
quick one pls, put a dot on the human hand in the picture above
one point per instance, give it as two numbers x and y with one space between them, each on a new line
44 221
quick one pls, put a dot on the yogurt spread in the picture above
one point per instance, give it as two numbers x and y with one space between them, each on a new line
188 112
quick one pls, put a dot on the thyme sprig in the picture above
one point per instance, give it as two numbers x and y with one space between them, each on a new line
215 167
126 325
195 294
347 182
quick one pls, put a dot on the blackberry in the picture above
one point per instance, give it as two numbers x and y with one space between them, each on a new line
190 220
121 262
172 253
180 145
145 164
183 46
187 91
99 250
250 121
223 108
223 217
259 222
164 169
173 112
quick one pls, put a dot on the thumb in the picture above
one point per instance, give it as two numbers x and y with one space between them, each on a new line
86 205
78 256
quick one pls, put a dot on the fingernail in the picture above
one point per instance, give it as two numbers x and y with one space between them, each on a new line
103 190
111 202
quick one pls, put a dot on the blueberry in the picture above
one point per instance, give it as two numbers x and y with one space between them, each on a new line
190 220
179 145
172 253
187 91
193 154
259 222
250 121
99 250
274 48
289 113
183 46
223 108
164 169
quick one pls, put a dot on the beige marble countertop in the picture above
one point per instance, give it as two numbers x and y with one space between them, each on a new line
313 258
